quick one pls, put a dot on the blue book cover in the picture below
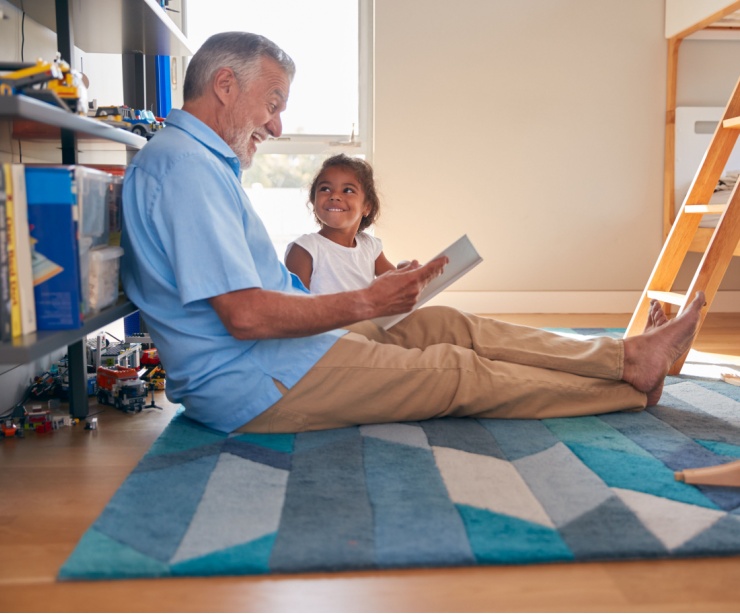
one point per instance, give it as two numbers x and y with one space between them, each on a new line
52 218
4 272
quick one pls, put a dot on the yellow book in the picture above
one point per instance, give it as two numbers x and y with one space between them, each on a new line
23 255
15 294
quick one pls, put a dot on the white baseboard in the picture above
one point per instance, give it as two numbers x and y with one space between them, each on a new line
562 302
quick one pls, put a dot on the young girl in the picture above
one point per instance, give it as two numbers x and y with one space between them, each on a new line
340 256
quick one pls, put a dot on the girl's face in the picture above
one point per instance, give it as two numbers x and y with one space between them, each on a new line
339 201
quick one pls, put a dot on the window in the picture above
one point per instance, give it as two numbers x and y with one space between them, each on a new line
329 106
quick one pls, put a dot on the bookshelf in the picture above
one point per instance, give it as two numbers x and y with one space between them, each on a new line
36 345
138 27
22 108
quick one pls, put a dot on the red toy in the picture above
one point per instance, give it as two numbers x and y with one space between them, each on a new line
121 387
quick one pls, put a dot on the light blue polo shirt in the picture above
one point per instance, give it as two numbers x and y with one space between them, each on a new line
190 233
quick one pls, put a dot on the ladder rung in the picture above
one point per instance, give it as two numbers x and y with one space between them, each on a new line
704 209
732 122
673 298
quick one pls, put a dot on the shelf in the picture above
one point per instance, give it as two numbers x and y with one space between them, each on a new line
22 107
115 26
30 347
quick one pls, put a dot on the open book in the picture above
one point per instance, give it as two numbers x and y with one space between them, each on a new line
462 257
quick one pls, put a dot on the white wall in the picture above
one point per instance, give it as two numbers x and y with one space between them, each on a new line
537 127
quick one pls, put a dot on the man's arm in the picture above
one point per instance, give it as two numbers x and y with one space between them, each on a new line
262 314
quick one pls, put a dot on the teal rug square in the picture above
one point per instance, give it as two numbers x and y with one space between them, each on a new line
440 493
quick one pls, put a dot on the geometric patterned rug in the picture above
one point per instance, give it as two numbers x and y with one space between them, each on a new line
438 493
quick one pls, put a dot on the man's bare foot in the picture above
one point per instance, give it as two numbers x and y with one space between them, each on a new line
648 357
656 316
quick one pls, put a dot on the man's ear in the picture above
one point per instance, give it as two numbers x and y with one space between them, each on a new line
224 85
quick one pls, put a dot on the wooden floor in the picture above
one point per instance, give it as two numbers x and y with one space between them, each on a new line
53 486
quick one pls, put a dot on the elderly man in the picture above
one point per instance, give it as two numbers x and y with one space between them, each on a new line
247 348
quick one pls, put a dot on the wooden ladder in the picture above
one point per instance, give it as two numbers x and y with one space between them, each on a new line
722 243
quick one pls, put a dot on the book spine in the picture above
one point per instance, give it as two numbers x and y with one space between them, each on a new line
4 273
15 297
23 251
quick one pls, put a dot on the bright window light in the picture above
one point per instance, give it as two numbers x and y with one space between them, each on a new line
322 38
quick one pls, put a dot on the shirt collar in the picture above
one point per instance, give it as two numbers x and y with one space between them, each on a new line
205 134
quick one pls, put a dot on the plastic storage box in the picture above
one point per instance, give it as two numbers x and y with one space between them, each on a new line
104 276
68 212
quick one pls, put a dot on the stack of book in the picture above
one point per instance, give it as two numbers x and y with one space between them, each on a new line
55 220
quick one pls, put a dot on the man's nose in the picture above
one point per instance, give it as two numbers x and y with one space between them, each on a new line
275 127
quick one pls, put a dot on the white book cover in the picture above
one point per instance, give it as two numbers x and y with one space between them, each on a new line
23 250
462 257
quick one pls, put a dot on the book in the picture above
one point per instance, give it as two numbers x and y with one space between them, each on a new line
23 251
53 223
15 296
462 257
4 272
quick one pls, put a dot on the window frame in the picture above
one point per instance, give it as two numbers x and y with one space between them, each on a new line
359 144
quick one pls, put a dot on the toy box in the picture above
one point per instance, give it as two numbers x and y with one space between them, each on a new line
68 211
55 259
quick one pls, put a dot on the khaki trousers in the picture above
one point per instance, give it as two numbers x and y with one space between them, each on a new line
441 362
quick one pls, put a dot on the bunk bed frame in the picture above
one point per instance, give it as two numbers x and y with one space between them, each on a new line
721 19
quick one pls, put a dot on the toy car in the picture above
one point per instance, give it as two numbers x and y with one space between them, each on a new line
142 122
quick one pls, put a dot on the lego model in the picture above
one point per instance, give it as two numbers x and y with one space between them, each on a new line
10 429
112 115
122 388
142 121
39 421
53 82
155 374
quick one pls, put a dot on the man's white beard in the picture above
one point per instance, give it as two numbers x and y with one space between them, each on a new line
240 145
239 137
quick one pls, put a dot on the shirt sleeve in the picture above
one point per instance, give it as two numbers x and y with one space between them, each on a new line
201 219
377 246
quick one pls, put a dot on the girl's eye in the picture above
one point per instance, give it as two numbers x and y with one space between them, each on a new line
323 189
350 190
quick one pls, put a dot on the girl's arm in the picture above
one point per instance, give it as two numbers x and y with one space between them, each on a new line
383 265
300 262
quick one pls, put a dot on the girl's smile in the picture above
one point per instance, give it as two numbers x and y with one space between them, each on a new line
340 203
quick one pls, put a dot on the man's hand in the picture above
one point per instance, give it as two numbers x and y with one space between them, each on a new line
263 314
398 291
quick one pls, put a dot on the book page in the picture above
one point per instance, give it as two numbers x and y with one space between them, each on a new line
462 258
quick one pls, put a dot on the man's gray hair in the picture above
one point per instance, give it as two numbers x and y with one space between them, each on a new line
240 51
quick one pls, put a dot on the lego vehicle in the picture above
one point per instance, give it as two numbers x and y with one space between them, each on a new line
112 115
122 388
142 121
53 82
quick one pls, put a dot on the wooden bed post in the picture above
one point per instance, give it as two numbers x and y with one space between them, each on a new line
669 165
